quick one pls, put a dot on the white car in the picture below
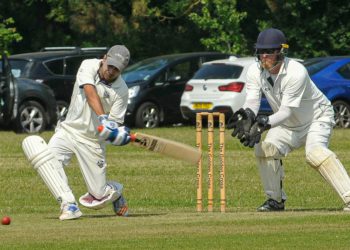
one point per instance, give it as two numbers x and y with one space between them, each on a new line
218 86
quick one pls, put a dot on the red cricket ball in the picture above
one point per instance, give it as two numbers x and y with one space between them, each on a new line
6 220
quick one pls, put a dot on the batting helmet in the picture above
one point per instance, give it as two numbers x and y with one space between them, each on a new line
271 39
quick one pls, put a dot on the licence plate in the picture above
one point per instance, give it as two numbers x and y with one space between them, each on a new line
206 105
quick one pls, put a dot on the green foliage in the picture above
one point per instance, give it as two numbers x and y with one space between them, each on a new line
313 27
8 34
154 27
222 22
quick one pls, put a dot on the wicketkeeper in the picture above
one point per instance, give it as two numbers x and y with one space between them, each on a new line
100 97
302 116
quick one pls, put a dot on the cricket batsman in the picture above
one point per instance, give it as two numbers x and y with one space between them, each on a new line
302 116
100 97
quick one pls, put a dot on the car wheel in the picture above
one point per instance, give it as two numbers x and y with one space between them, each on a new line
62 109
31 118
147 116
342 114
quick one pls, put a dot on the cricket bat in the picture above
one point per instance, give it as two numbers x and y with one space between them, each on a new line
164 146
167 147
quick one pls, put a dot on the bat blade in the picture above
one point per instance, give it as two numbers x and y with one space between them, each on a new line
167 147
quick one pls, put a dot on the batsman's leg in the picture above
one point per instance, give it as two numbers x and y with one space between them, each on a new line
93 167
329 166
51 171
271 173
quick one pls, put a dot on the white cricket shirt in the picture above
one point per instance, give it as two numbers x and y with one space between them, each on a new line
293 88
81 121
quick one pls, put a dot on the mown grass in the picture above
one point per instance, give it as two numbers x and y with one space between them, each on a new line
161 193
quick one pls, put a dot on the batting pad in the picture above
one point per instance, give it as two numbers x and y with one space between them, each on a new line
331 169
271 170
48 167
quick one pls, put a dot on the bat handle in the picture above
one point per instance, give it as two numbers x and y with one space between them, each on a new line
132 136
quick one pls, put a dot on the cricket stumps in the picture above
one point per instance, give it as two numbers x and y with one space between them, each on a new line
210 119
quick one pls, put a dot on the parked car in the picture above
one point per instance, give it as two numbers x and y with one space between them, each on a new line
156 85
218 86
25 105
332 76
55 67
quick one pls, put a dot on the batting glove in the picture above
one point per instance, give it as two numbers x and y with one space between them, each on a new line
107 123
118 136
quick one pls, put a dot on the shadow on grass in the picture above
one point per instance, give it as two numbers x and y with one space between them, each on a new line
99 216
314 209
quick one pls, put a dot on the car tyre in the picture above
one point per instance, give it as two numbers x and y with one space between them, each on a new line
62 109
31 118
147 116
341 114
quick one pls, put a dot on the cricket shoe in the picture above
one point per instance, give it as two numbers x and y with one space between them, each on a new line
120 207
114 192
70 211
347 208
271 206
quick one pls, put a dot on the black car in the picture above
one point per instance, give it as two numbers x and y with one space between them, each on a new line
156 85
55 67
25 105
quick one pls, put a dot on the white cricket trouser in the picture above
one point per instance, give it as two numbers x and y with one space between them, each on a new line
91 160
318 134
285 141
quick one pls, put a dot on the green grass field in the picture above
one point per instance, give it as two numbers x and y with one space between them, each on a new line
161 193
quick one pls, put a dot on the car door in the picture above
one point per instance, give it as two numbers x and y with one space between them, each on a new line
7 90
172 83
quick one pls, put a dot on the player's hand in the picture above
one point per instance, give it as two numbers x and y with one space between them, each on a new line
118 136
107 123
241 122
261 124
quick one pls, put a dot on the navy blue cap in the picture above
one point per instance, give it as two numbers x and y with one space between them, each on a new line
270 39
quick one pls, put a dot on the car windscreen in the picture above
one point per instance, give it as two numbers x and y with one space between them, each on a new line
18 67
218 71
143 70
314 66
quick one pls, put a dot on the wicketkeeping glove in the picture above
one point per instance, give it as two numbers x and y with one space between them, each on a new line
241 122
261 124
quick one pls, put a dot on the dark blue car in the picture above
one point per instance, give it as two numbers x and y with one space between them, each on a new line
332 77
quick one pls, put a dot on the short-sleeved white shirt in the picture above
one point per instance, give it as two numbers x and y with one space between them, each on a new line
81 122
293 88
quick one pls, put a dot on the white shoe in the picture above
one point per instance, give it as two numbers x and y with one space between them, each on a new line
346 208
89 201
70 211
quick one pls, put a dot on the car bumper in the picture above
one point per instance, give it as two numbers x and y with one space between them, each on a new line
190 114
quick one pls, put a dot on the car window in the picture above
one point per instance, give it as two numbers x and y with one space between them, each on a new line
344 71
55 66
18 67
73 64
315 66
181 71
143 70
218 71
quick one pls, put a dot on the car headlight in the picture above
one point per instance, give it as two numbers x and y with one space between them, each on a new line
133 91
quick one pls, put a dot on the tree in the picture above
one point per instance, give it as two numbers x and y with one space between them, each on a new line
222 22
312 27
8 34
